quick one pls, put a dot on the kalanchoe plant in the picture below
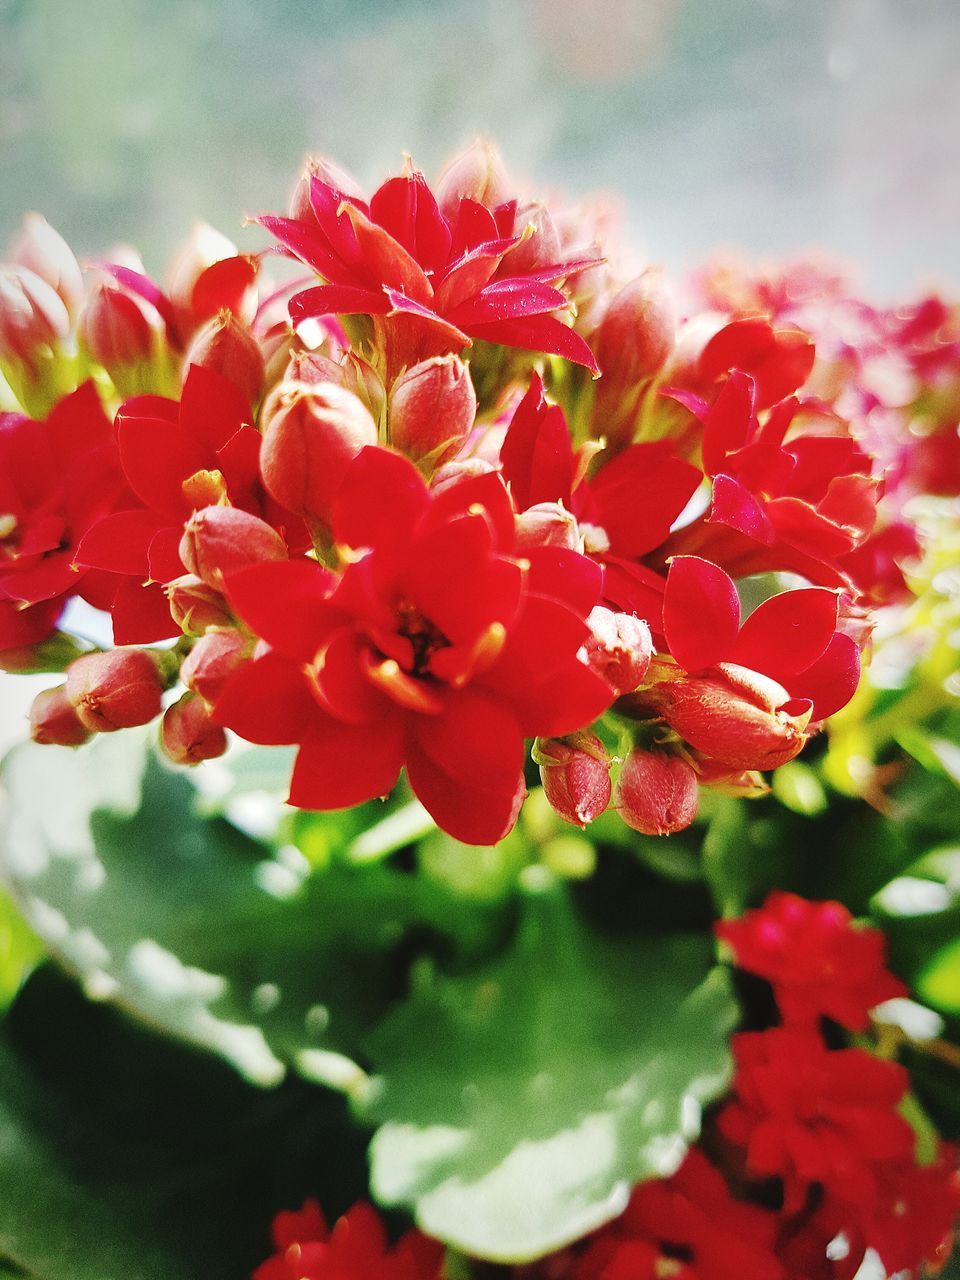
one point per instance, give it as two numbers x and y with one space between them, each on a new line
430 492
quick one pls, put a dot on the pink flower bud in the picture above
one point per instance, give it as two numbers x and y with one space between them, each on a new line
539 243
637 331
45 252
121 332
114 690
218 541
619 649
212 660
195 607
575 772
656 793
227 347
737 717
478 174
187 733
432 408
546 524
312 434
53 720
33 317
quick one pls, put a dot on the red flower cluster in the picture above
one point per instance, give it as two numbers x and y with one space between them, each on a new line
385 543
356 1248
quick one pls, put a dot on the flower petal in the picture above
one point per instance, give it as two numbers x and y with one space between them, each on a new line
267 701
701 612
285 603
787 633
475 815
340 765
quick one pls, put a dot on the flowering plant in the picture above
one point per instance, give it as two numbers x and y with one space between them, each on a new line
499 567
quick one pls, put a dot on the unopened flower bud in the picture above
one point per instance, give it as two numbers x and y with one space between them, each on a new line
546 524
619 649
116 329
460 469
656 793
539 240
218 541
114 690
432 408
44 251
312 434
205 247
187 733
637 331
53 720
737 717
575 772
195 607
477 174
33 317
212 660
227 347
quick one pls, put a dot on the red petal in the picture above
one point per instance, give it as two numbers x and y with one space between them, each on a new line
285 603
77 423
508 299
340 765
546 334
52 575
537 453
336 299
380 499
640 493
737 507
157 457
387 261
141 615
309 245
487 491
223 286
407 209
787 633
471 814
163 556
729 422
144 288
341 684
832 680
267 701
701 612
566 576
441 329
468 275
20 627
569 700
212 408
458 584
780 360
633 588
476 739
119 542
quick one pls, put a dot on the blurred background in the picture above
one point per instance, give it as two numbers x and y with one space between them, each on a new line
769 124
772 125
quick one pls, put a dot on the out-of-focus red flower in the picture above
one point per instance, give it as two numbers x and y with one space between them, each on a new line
435 648
818 962
810 1115
355 1249
57 478
433 279
177 457
913 1219
688 1227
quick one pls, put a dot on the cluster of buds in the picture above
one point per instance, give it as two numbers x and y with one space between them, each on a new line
467 489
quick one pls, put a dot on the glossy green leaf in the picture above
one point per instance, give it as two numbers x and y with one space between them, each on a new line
548 1083
215 937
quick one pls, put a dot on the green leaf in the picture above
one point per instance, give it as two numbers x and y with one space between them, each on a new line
20 949
127 1157
204 932
553 1080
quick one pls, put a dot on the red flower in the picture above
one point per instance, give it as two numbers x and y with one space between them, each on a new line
792 637
687 1227
356 1249
913 1218
809 1115
800 505
433 280
435 648
625 510
177 457
56 479
818 963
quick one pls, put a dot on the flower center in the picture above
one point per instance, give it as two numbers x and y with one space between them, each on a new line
424 638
